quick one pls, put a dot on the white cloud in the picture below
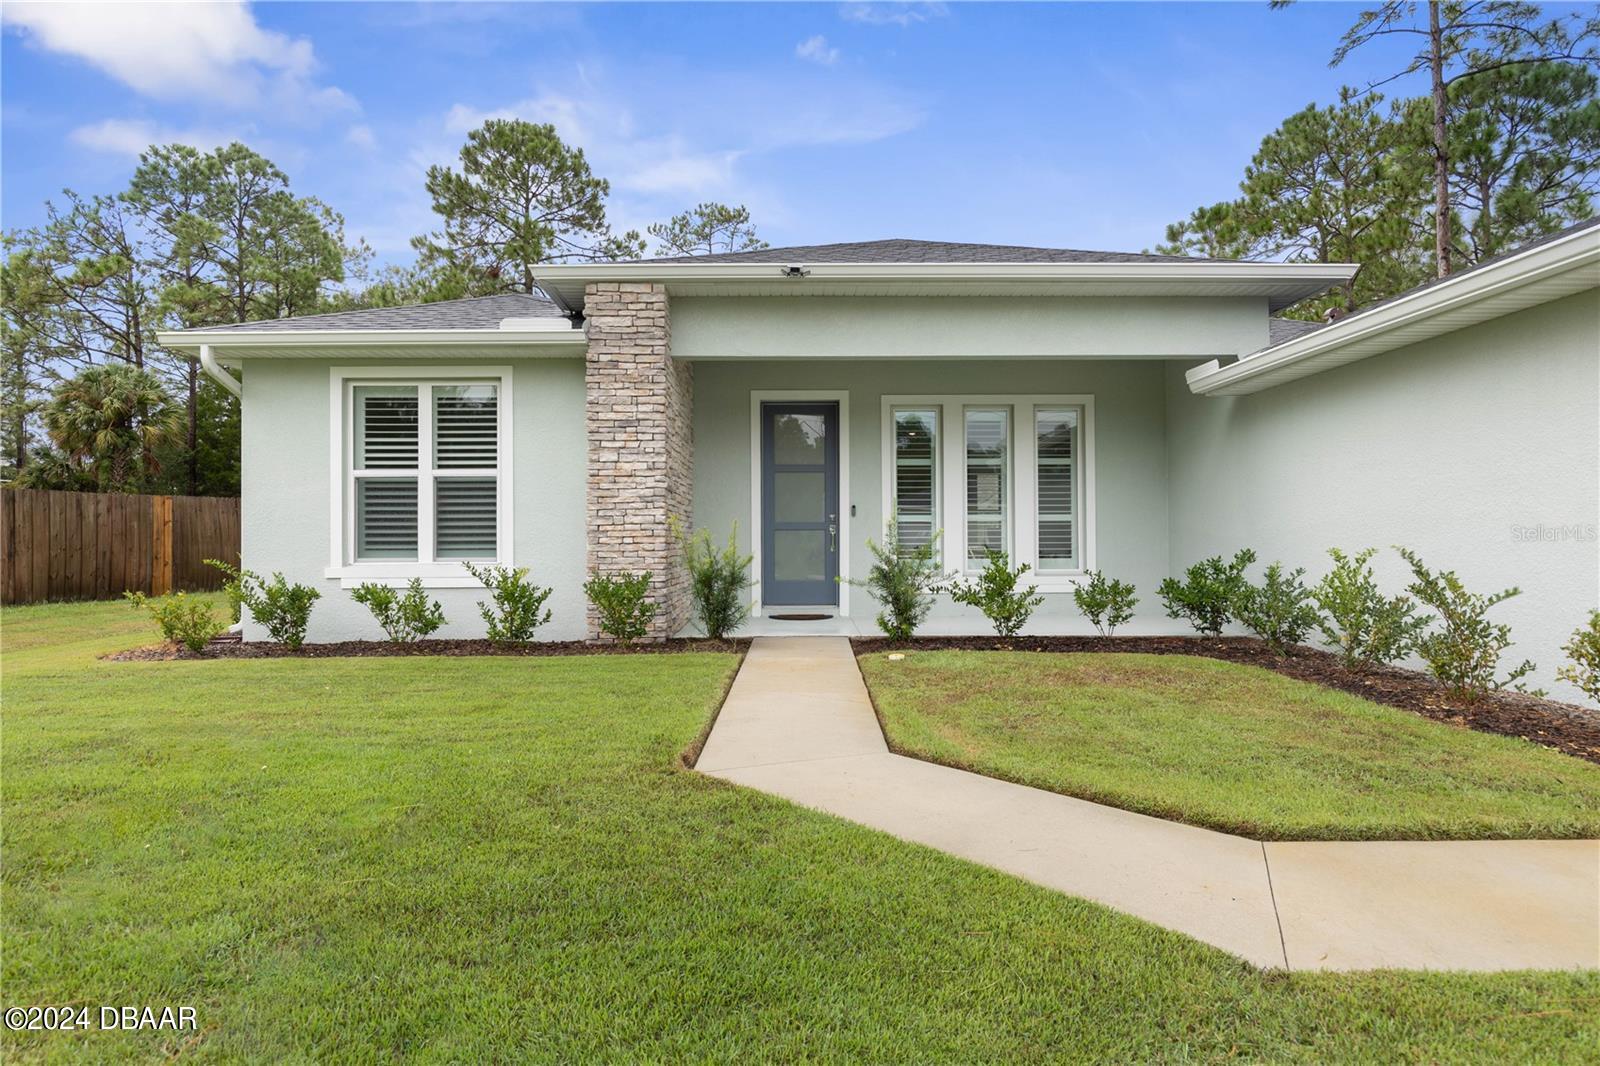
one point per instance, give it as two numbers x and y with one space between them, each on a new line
817 51
176 51
892 14
129 137
361 137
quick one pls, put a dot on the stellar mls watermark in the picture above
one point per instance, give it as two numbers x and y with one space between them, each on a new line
70 1018
1557 533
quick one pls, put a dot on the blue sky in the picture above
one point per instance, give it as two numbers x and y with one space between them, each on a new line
1073 125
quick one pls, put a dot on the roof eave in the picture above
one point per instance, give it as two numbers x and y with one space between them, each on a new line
1423 314
566 282
242 342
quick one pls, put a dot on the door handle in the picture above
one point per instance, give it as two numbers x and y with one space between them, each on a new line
833 533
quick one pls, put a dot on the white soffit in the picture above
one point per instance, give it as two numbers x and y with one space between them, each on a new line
511 339
1545 272
1281 283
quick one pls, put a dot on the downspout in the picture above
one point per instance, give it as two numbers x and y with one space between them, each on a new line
231 383
218 374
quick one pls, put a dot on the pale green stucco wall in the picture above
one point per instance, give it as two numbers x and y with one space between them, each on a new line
286 492
754 327
1448 446
1130 470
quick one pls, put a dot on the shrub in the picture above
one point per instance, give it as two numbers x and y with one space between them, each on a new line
182 620
996 594
1583 653
624 612
283 608
1107 604
518 603
1360 621
1464 653
903 581
1207 594
1279 610
404 618
717 580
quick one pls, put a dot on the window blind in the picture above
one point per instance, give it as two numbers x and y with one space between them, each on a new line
1056 437
988 432
916 476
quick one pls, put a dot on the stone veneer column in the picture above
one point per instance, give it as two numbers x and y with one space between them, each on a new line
641 444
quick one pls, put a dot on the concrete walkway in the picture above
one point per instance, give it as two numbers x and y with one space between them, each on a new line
798 724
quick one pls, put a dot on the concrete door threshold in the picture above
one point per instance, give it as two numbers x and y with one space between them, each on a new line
798 723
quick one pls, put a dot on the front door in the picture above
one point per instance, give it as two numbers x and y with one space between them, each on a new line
799 504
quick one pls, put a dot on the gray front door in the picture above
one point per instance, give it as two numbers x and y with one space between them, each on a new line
799 504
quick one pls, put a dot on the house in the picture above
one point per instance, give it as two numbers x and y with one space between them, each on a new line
1082 410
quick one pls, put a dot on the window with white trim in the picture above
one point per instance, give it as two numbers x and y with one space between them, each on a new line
1007 473
988 471
915 491
423 483
1056 500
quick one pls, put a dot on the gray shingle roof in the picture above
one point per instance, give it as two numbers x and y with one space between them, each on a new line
479 312
1287 329
900 250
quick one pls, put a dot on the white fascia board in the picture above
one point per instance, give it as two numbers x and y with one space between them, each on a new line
235 340
583 273
1252 373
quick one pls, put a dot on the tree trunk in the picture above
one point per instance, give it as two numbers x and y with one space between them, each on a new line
1441 148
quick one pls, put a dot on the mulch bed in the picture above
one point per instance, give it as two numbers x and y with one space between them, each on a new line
235 649
1563 726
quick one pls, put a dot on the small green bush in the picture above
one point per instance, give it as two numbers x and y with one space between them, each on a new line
1208 592
718 580
1279 610
1107 604
1464 653
518 608
1583 654
619 599
1365 625
996 594
285 609
404 618
903 582
182 620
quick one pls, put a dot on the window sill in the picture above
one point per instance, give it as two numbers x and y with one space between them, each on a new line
432 575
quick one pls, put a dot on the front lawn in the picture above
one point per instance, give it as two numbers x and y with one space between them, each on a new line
1227 746
497 859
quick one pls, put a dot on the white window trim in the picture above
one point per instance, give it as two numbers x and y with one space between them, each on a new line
1023 519
842 398
341 508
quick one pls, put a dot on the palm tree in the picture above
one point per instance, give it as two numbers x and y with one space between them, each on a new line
111 417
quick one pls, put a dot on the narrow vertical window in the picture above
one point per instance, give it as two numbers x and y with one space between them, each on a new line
916 475
466 445
1056 437
988 439
386 471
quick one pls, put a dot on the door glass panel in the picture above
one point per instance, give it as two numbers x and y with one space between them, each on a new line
799 439
799 555
799 496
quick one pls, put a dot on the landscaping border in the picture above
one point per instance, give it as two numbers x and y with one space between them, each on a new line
1565 727
349 649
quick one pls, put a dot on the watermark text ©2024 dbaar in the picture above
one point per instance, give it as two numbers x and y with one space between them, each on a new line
71 1018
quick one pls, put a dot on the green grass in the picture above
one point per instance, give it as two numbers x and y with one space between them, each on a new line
496 859
1232 747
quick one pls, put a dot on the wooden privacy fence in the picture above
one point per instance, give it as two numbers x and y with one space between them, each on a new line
97 545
